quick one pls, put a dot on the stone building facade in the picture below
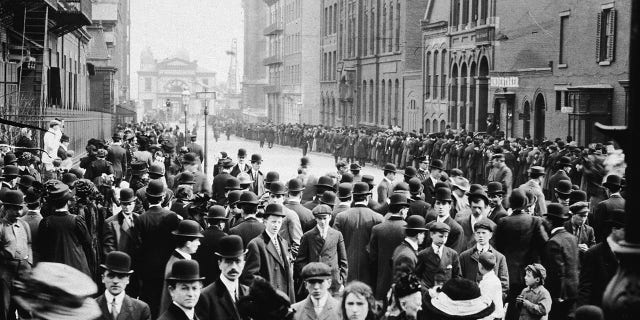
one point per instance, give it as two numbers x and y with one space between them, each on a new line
254 73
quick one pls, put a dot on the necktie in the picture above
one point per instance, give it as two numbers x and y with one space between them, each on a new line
276 243
114 311
127 223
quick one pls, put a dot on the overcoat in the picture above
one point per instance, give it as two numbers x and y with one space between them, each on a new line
469 267
553 181
218 186
206 257
330 251
248 229
385 237
131 309
385 190
117 155
404 256
215 302
599 265
117 239
562 263
601 214
307 221
64 238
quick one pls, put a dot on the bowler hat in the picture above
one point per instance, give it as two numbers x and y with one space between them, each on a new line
345 190
416 222
486 224
475 188
439 227
117 262
361 188
577 196
415 186
216 212
460 183
410 172
557 210
295 185
230 247
189 158
277 188
536 171
139 167
233 197
355 167
563 187
398 199
69 178
274 209
256 158
494 188
347 177
26 181
613 181
437 164
304 162
244 179
271 177
11 171
57 191
316 271
248 197
479 194
156 171
321 209
368 179
127 195
242 153
518 200
13 198
185 270
188 228
155 189
186 178
10 158
325 182
563 162
389 167
329 198
443 194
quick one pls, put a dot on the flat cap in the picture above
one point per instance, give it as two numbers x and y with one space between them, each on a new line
316 271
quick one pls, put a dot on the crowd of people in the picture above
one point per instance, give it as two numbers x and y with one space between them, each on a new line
460 226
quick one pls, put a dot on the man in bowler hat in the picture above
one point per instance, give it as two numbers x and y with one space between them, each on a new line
216 220
604 209
184 284
219 299
442 208
114 302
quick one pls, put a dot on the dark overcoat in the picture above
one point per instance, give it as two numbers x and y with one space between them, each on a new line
562 263
599 265
131 309
247 230
330 251
385 237
206 256
430 264
215 302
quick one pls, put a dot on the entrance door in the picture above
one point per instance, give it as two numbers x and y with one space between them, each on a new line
526 119
540 107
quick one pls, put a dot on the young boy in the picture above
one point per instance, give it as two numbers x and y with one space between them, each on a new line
490 285
437 262
534 301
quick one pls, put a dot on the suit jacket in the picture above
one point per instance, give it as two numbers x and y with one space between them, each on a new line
291 230
502 175
307 221
562 263
464 220
586 236
117 155
431 265
263 260
219 183
469 267
257 186
355 225
553 181
429 190
599 265
116 239
305 311
206 256
154 227
497 213
385 237
339 208
418 207
330 251
236 169
175 313
455 240
385 190
131 309
247 230
215 302
601 214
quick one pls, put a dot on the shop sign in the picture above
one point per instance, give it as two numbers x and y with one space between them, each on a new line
504 82
566 109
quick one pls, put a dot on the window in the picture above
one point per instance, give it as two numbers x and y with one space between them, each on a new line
147 84
427 73
443 60
205 82
435 75
564 19
562 99
398 27
605 40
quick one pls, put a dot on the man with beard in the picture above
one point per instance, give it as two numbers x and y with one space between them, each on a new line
115 303
218 300
319 304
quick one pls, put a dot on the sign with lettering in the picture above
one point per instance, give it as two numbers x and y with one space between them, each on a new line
504 82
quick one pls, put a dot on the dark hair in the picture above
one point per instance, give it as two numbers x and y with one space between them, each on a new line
154 200
476 200
360 289
181 241
359 197
412 233
295 193
487 265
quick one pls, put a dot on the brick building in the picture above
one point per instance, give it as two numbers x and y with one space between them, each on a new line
560 67
329 53
254 77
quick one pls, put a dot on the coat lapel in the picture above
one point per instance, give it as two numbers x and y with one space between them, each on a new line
126 311
272 249
102 302
327 311
309 310
225 298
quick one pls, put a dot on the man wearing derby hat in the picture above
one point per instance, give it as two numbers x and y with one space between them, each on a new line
563 167
17 256
115 303
187 239
156 245
218 300
385 188
385 237
345 193
323 184
268 254
562 192
250 226
294 190
216 220
10 176
442 213
496 209
193 166
242 165
355 224
156 174
534 185
319 304
355 169
291 229
561 259
500 172
117 155
257 177
405 255
604 209
196 148
521 238
324 244
184 284
436 170
220 181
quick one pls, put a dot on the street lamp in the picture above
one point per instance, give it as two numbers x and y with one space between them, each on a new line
185 102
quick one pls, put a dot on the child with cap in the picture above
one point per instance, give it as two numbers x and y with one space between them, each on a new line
534 301
490 285
437 261
319 304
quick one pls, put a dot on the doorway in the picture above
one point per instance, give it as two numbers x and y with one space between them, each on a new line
526 119
539 117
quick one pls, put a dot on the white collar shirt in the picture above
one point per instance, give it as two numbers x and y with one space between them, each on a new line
119 299
232 287
185 255
413 244
437 250
323 232
481 248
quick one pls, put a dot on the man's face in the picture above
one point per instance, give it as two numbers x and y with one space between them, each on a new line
241 160
498 163
495 199
478 208
276 198
192 245
318 288
342 169
482 236
424 165
256 165
273 224
186 294
231 268
411 304
579 219
323 220
12 212
443 208
127 207
439 238
563 199
115 282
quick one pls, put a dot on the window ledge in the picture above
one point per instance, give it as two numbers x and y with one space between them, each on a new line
562 66
605 63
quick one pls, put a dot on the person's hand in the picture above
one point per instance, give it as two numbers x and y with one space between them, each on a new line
583 247
520 300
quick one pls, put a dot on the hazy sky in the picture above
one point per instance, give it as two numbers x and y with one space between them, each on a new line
204 28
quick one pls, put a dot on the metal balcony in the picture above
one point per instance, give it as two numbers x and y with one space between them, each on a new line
71 15
275 59
273 28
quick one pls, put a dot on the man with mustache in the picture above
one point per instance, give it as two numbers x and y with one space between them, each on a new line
218 300
115 302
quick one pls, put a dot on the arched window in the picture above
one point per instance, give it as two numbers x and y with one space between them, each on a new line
398 26
427 75
436 79
444 70
427 126
372 104
443 125
382 101
397 102
435 125
391 30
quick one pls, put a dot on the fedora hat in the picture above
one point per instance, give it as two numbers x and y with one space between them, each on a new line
536 171
256 158
518 200
398 199
436 164
443 194
248 197
156 171
273 209
325 182
13 198
295 185
271 177
232 184
355 167
155 189
278 188
244 178
494 188
557 210
216 212
345 190
10 171
117 262
188 228
410 172
321 209
230 247
127 196
389 167
460 183
478 194
361 188
185 270
563 187
613 181
328 198
416 222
